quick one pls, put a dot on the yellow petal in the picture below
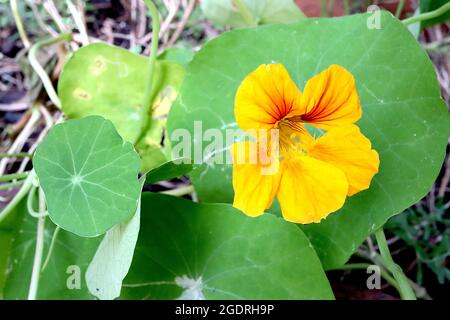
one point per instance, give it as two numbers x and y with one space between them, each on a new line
255 179
264 97
310 189
330 99
349 150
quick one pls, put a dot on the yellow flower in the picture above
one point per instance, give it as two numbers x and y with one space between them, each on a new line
313 176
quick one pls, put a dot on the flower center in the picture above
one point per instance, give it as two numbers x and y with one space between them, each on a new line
294 138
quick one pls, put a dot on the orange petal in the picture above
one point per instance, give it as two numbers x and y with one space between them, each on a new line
255 180
330 99
265 96
310 189
349 150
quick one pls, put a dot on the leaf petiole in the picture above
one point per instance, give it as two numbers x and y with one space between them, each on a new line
179 192
15 155
40 234
428 15
50 249
18 197
363 266
30 200
13 176
406 292
153 52
10 185
64 37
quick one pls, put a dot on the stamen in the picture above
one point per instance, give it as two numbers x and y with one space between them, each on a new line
291 144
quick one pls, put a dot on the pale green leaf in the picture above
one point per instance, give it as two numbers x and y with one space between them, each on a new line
113 258
100 79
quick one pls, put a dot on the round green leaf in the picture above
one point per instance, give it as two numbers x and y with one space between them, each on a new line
100 79
403 114
89 175
216 252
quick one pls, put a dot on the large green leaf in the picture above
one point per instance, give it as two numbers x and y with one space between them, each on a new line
213 251
404 116
71 254
226 12
89 175
100 79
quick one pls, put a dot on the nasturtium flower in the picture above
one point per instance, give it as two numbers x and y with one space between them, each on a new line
313 175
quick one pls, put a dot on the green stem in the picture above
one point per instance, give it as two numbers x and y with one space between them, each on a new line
153 52
363 266
10 185
427 15
399 10
64 37
30 204
15 155
346 7
182 191
406 292
13 176
436 45
18 197
245 13
22 33
76 15
323 8
40 237
50 249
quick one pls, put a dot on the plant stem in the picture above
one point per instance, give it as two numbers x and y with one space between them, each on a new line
346 7
18 197
436 45
182 191
245 13
40 234
323 8
428 15
23 136
30 206
50 249
153 52
406 292
15 155
10 185
13 176
385 275
399 10
64 37
19 24
77 18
